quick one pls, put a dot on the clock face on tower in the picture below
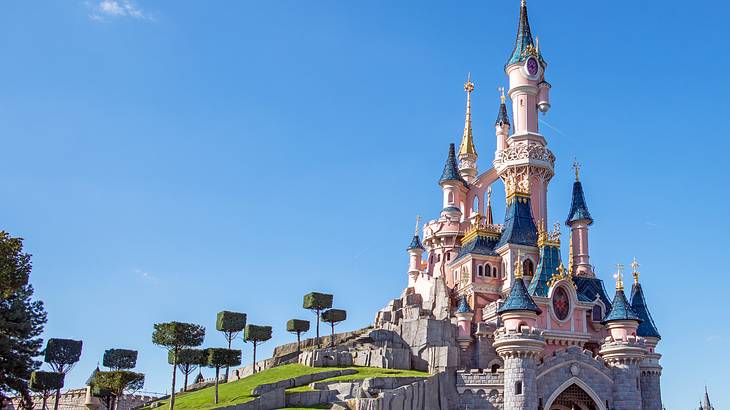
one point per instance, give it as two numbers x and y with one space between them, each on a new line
531 66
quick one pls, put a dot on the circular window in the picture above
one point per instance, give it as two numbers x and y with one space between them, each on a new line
561 303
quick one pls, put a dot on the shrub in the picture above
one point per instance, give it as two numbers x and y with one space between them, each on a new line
120 359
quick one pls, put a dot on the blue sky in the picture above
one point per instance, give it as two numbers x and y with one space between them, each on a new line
167 160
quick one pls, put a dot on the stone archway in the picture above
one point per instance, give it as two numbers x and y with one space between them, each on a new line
574 395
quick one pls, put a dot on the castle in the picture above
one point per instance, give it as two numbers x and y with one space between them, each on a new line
531 333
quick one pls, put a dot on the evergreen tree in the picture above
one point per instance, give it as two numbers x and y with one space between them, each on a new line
21 320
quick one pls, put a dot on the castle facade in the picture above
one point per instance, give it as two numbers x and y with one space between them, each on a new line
532 331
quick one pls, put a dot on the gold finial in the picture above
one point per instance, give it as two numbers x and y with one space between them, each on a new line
502 98
418 221
467 140
468 85
635 270
619 276
518 266
524 3
576 167
561 269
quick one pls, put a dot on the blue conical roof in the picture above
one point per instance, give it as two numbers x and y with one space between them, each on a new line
502 116
548 266
647 328
415 243
524 40
519 227
451 169
463 305
519 299
621 309
578 207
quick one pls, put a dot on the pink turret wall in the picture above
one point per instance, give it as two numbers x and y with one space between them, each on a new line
581 259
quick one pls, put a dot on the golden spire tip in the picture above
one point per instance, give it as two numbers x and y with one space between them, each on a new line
619 277
635 270
502 98
576 167
418 221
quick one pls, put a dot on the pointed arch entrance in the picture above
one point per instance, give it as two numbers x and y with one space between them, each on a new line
574 394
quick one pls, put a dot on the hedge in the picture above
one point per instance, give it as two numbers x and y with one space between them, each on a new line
45 381
334 315
220 357
317 301
120 359
257 333
62 351
230 321
297 325
195 357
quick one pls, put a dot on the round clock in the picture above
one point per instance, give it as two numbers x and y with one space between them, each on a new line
561 303
532 66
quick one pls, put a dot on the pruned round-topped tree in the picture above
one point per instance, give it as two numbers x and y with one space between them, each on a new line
317 302
175 336
231 324
188 360
256 335
46 383
62 355
219 357
298 326
120 359
333 317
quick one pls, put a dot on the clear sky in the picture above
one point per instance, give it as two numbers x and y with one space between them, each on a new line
167 160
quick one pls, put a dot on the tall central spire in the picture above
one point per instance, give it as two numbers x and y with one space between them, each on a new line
467 151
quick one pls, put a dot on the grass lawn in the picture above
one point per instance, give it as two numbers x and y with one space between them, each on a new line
240 390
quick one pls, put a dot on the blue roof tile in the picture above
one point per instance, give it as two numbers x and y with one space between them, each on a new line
502 117
415 243
548 266
451 169
519 227
589 288
519 299
482 245
621 309
578 207
647 328
524 40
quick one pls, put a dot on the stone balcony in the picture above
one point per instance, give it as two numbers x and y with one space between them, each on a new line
475 380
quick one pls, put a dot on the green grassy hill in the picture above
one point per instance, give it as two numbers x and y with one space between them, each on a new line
240 390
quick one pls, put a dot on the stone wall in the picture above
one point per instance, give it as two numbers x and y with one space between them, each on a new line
520 386
574 366
626 389
75 399
434 393
651 394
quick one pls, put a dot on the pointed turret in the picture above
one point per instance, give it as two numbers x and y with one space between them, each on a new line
415 255
524 45
502 125
519 298
451 171
578 208
579 219
490 219
467 151
706 405
621 309
647 328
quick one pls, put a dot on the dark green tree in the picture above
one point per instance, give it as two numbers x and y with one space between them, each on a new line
256 335
231 324
21 321
298 326
333 317
317 302
62 355
187 361
118 382
46 383
218 358
175 336
120 359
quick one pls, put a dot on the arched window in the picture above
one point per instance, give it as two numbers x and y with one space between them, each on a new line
518 388
494 272
487 269
528 268
451 197
495 367
480 270
597 313
448 256
475 204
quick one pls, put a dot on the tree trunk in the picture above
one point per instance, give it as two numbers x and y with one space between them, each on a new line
45 399
230 338
187 372
217 371
254 357
58 398
318 313
299 342
174 374
332 338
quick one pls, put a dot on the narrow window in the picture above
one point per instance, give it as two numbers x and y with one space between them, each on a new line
487 269
451 198
448 256
494 271
495 367
480 270
518 388
597 313
528 269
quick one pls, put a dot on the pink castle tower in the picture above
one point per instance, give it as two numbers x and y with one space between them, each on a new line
544 333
